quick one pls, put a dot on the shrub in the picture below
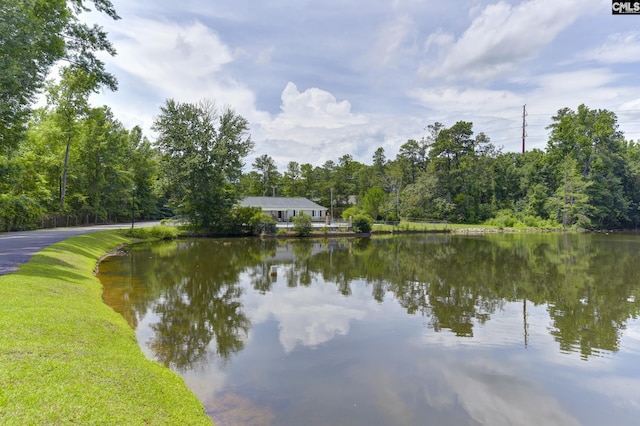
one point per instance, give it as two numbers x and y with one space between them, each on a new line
351 211
504 219
302 225
362 223
244 220
154 232
509 219
19 213
531 221
263 222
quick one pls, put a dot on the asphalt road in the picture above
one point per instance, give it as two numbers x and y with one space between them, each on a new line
17 248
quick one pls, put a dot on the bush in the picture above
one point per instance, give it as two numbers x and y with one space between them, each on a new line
362 223
351 211
391 217
504 219
509 219
19 213
153 232
531 221
302 225
244 220
263 222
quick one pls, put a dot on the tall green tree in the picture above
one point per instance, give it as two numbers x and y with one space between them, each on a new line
427 198
250 184
571 197
373 202
104 177
592 138
452 144
35 34
69 100
346 180
462 166
144 168
203 150
308 174
267 172
378 175
413 157
292 184
632 184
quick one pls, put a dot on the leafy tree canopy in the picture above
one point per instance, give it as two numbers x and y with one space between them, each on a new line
202 158
34 35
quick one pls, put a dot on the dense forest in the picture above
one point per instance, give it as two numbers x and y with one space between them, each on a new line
70 162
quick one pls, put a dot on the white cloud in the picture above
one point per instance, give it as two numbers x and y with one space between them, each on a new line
313 127
439 40
265 55
467 101
171 56
391 39
501 37
186 62
313 108
569 84
619 48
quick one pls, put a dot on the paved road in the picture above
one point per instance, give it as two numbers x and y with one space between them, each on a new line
17 248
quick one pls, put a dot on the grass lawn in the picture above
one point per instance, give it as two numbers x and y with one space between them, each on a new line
67 358
428 226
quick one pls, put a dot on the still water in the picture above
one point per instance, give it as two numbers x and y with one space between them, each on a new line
537 329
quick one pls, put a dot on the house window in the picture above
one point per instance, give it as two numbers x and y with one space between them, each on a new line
313 213
294 213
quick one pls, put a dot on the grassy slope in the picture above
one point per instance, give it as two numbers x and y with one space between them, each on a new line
66 357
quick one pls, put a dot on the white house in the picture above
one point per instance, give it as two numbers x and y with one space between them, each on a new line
283 209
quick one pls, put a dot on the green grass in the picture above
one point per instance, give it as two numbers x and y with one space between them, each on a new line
426 226
67 358
162 232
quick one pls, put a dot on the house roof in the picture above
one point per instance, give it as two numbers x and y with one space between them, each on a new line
280 203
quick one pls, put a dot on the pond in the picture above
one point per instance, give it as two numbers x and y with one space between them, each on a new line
495 329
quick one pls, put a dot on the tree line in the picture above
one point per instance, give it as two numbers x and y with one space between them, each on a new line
71 163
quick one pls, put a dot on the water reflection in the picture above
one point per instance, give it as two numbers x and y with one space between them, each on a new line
195 288
495 329
193 293
491 394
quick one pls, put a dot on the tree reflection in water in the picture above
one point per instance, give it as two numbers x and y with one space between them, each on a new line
587 282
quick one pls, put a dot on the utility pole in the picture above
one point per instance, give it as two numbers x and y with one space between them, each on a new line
524 125
397 215
331 205
133 205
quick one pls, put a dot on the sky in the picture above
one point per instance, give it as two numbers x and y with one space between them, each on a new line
320 79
